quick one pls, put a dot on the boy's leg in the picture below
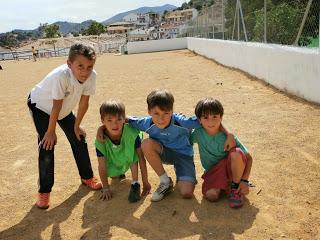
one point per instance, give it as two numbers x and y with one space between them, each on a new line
152 151
134 171
186 188
215 180
79 148
212 194
134 194
236 165
46 157
186 175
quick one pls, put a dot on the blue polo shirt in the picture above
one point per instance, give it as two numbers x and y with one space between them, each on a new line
176 136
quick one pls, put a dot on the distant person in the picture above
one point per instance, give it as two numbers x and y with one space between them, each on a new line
50 102
34 54
1 68
120 151
222 168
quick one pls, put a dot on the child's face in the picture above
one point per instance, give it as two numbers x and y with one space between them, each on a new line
211 123
81 67
159 117
113 124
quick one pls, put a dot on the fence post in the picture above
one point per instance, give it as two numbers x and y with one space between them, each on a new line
223 17
243 23
265 21
303 22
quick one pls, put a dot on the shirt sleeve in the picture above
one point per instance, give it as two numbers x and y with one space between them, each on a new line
59 87
140 123
137 143
193 136
187 122
101 147
90 88
99 154
241 146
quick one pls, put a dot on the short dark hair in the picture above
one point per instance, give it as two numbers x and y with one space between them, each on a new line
208 106
161 98
81 49
112 107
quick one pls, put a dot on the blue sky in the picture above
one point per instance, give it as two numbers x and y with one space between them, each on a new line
27 15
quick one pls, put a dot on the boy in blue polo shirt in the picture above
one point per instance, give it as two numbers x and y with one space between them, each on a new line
169 143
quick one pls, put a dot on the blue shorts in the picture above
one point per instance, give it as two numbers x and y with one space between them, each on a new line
183 164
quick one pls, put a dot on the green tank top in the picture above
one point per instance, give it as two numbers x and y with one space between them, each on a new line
120 157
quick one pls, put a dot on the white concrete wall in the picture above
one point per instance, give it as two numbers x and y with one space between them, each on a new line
157 45
291 69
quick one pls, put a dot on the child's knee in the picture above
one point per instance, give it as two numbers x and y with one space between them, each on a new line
235 156
212 194
148 145
186 194
186 189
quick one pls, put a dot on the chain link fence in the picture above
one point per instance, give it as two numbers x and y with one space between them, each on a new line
288 22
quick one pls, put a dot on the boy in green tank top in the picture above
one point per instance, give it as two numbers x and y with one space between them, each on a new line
120 151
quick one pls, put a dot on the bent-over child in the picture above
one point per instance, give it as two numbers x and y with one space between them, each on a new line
50 102
221 168
120 151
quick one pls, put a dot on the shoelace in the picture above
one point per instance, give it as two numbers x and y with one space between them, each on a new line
161 187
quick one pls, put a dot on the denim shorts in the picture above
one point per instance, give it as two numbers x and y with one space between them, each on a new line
183 164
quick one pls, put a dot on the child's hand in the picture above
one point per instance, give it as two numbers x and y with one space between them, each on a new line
100 134
146 189
106 194
243 188
49 140
79 132
230 142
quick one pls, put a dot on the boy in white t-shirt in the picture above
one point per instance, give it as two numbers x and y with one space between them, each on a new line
50 102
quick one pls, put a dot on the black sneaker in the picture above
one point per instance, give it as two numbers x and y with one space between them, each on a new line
134 194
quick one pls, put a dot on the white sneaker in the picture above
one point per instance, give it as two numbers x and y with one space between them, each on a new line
162 190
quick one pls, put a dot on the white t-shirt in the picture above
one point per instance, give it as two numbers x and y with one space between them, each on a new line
59 84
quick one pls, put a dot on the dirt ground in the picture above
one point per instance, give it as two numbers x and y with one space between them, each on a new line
281 132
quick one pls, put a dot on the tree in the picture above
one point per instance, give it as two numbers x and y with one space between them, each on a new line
95 28
51 31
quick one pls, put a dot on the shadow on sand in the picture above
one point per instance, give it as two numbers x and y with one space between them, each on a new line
168 219
37 220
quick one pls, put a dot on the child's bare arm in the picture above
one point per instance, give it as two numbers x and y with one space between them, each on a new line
230 141
100 133
82 109
106 193
50 137
144 173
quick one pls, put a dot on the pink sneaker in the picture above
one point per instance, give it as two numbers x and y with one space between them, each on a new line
235 199
92 183
43 200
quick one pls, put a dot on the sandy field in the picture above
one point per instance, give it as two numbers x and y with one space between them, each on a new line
281 132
